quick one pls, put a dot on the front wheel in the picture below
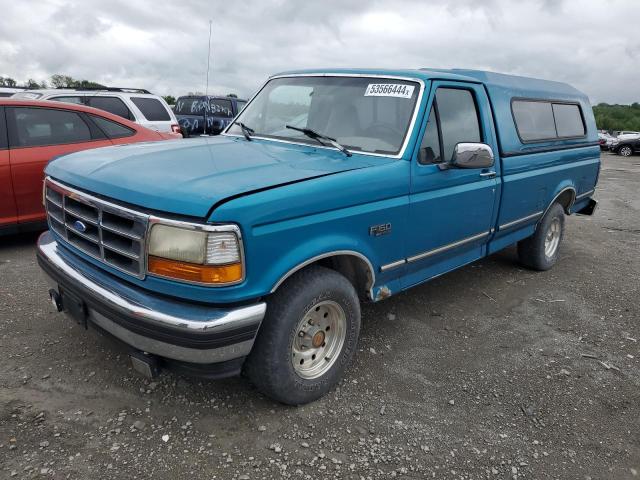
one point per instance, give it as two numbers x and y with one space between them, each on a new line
540 251
307 338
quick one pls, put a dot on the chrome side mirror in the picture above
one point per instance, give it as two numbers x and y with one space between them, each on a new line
472 155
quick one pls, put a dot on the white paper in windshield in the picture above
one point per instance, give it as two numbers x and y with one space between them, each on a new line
400 90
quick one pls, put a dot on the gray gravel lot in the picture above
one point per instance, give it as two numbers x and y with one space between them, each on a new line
492 371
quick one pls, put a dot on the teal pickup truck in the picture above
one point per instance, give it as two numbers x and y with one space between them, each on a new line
251 252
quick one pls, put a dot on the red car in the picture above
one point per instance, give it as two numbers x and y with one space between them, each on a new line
34 132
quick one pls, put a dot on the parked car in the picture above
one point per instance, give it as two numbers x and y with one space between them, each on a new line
206 115
138 105
625 132
605 140
34 132
626 145
251 251
9 91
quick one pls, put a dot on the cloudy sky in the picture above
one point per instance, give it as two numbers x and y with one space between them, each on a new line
162 46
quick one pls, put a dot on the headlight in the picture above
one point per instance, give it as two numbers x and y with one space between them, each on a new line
195 254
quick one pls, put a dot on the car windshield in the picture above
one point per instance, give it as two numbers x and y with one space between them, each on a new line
365 114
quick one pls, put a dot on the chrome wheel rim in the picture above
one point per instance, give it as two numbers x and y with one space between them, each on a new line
625 151
319 338
552 239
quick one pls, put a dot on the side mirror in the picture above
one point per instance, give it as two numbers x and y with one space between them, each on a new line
472 155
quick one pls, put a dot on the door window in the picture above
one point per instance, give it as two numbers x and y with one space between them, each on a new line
453 119
112 105
458 117
221 108
3 131
43 126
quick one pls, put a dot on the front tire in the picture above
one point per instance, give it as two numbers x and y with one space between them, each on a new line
308 337
540 251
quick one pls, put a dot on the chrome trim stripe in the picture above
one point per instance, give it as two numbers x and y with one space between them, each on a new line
226 319
407 137
392 265
585 194
327 255
449 246
504 226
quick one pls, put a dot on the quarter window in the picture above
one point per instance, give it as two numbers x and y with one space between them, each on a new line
74 100
538 120
42 126
152 109
430 151
112 129
112 105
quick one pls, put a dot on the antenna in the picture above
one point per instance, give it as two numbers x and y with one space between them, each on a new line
206 89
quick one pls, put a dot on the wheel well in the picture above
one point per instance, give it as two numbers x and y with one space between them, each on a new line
566 199
357 269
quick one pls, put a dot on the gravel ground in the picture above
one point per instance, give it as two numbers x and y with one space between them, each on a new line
491 371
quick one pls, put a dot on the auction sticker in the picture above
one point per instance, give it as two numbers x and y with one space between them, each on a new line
399 90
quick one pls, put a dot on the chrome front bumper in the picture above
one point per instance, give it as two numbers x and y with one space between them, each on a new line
167 327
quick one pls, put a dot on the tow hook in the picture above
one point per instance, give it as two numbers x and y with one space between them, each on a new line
56 299
145 364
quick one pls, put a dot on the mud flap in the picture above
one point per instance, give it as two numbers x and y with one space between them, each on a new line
589 208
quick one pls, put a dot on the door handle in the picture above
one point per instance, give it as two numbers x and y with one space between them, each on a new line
490 174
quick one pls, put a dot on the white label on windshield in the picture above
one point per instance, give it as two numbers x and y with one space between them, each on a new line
399 90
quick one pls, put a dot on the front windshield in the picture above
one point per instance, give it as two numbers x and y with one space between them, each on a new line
363 114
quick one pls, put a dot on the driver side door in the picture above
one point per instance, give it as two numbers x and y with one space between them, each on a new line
451 210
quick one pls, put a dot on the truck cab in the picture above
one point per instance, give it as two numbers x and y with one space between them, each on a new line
252 251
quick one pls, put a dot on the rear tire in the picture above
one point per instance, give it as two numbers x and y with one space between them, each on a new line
307 338
540 251
625 151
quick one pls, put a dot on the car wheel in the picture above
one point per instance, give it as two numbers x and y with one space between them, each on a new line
307 338
625 151
540 251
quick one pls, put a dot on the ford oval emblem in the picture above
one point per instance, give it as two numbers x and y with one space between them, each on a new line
81 227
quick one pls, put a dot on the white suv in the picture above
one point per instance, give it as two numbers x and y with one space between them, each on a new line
137 105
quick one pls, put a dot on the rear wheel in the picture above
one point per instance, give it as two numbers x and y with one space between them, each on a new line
625 151
540 251
307 338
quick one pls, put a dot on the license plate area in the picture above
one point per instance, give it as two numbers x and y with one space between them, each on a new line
74 306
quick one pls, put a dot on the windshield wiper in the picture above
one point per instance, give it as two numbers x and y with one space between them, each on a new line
246 131
319 137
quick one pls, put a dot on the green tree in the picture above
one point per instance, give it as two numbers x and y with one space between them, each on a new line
617 117
170 99
7 82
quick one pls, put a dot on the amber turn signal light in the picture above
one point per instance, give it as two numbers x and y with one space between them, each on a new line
192 272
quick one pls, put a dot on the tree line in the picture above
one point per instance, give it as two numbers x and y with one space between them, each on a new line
55 81
617 117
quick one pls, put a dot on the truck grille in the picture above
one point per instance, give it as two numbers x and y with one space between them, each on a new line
110 233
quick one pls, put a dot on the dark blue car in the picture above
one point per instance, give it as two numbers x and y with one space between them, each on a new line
206 115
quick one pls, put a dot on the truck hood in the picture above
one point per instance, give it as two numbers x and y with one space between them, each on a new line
188 177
